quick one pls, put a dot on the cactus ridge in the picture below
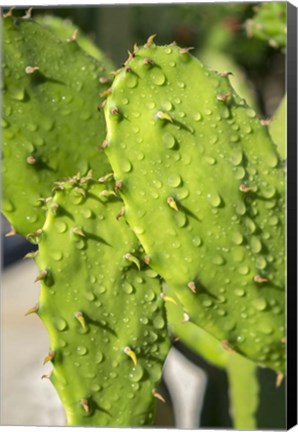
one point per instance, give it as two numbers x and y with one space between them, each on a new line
46 102
105 318
203 189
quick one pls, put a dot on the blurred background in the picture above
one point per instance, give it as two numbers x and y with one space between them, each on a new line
197 392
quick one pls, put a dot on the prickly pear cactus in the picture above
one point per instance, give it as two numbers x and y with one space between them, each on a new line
51 126
203 189
269 23
65 29
102 308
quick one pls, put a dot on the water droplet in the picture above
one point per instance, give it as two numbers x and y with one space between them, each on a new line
60 226
256 245
208 111
136 374
273 220
168 50
239 292
98 357
151 273
207 303
237 238
197 241
197 116
81 350
181 220
144 320
234 138
87 213
149 296
265 328
260 304
269 191
174 180
166 106
96 387
182 194
89 295
250 225
239 173
60 324
210 160
243 269
131 80
261 262
240 208
126 166
157 76
128 288
218 260
214 199
181 84
17 93
250 113
271 160
57 255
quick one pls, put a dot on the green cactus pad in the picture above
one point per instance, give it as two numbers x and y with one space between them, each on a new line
64 29
203 189
51 125
269 23
95 303
278 128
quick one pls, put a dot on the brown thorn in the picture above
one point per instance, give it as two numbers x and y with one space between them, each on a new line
226 74
225 344
279 379
42 275
223 97
101 105
84 404
103 80
265 122
9 12
121 213
244 188
150 41
106 93
192 286
32 310
31 160
148 61
260 279
11 233
104 144
118 185
28 14
49 357
31 69
74 36
147 259
185 50
158 395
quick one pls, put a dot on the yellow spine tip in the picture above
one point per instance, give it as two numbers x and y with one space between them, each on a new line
158 395
128 351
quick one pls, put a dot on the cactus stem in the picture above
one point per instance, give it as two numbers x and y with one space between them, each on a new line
49 357
32 310
31 69
79 316
192 286
9 12
225 344
78 231
31 160
121 213
129 257
158 395
164 116
11 233
42 275
128 351
172 203
223 97
260 279
85 405
28 14
279 379
167 298
150 41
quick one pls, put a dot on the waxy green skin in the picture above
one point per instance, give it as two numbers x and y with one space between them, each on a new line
51 126
269 23
82 249
178 131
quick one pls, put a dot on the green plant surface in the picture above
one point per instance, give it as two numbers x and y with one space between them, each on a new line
203 188
278 128
65 29
51 125
243 392
102 309
269 23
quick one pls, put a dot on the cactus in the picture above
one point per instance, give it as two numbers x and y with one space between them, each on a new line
64 29
278 128
45 104
204 191
269 24
102 310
